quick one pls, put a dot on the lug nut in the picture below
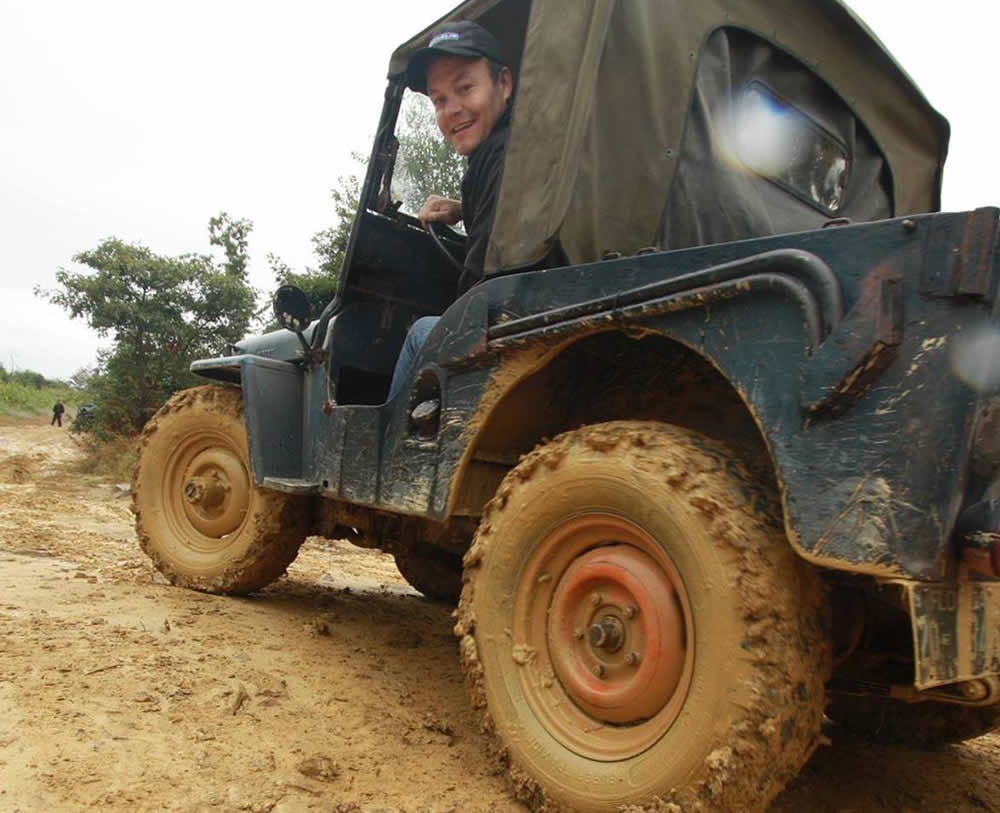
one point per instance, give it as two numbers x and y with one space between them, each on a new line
597 599
578 634
631 611
599 670
194 491
632 658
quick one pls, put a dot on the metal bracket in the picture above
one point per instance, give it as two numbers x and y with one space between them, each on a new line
863 346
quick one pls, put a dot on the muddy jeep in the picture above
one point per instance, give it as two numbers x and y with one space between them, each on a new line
710 451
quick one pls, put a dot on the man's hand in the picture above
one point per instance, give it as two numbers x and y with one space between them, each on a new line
440 210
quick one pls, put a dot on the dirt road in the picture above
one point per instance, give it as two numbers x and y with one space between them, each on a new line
335 689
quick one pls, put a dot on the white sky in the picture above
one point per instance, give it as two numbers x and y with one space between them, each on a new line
142 120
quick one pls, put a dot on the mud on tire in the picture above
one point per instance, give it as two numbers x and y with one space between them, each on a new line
582 666
198 515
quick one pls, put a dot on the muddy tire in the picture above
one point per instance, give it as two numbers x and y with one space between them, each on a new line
435 573
636 631
198 515
888 721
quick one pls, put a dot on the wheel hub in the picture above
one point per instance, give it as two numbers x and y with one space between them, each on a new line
630 662
206 492
215 491
608 635
604 626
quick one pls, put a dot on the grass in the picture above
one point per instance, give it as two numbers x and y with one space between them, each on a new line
23 399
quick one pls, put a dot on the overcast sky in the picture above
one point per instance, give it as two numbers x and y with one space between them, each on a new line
142 120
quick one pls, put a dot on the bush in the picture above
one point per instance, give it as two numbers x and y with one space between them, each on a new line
112 456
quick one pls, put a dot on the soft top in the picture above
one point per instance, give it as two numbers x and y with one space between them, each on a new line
604 94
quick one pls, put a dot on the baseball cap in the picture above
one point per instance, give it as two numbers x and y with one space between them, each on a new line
463 38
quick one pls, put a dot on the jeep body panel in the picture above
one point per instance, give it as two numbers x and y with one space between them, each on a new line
854 394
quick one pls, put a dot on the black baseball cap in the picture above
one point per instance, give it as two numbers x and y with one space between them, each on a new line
463 38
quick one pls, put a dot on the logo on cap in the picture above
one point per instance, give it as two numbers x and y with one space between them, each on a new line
446 35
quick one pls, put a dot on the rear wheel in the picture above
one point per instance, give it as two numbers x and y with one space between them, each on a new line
435 573
198 515
886 720
635 627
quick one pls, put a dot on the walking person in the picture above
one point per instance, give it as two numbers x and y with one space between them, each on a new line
57 413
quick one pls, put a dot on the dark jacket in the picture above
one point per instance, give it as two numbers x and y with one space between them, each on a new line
480 189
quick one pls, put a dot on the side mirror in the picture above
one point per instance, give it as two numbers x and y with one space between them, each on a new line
291 308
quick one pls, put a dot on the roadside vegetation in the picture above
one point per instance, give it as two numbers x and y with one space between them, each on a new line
112 457
25 392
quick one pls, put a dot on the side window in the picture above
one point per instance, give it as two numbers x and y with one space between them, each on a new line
425 163
785 145
768 148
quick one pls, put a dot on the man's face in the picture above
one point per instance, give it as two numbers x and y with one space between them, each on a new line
467 102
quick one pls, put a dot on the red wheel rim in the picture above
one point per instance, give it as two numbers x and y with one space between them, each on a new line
603 633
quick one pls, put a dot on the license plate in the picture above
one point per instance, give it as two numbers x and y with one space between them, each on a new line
956 631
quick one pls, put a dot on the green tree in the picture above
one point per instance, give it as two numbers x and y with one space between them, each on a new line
29 378
82 378
330 244
426 164
161 312
232 236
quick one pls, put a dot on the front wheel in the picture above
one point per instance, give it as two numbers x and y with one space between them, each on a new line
634 626
198 514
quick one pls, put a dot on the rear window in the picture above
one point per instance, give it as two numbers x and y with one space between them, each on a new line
787 147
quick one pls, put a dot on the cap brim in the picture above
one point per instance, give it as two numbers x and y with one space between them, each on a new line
416 71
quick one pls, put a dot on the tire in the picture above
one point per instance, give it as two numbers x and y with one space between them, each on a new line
888 721
654 536
198 515
435 573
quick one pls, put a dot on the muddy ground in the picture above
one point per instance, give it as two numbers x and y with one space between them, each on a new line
335 689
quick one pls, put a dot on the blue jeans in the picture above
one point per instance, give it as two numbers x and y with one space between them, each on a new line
415 339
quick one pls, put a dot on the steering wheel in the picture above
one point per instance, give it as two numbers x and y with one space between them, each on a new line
432 229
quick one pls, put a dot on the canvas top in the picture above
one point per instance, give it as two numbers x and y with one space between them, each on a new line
612 97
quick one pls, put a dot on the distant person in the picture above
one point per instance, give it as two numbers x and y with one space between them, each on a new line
57 413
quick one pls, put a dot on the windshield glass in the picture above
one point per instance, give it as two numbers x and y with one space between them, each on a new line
425 163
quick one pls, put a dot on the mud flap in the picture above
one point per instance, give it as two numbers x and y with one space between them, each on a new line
956 631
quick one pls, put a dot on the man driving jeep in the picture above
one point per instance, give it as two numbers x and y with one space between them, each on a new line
464 74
